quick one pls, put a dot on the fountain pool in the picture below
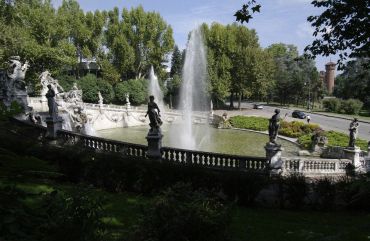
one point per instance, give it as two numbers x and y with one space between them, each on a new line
228 141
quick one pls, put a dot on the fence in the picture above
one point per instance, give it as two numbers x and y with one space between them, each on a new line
307 166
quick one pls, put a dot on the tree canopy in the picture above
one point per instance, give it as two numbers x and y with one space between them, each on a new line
343 27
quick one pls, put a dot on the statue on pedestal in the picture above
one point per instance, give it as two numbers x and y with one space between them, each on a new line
53 109
353 131
274 125
154 114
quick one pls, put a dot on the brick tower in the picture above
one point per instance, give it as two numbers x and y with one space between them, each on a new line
330 76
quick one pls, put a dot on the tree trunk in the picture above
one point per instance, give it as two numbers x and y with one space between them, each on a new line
231 101
240 101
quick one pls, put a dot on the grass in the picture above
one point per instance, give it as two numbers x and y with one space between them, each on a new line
265 224
334 139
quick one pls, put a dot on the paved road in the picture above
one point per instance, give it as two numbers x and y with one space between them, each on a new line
327 123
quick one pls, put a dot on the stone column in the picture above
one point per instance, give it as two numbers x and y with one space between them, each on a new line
53 126
274 160
353 153
154 139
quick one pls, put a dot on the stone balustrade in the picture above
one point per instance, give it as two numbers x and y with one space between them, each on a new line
315 167
213 160
308 166
102 144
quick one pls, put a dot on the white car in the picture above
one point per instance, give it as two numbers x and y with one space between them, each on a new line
258 106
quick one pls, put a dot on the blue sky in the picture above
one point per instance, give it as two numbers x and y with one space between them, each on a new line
279 21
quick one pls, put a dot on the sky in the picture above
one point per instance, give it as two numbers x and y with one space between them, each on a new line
279 20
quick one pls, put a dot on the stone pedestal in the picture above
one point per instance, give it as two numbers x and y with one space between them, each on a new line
53 126
154 139
353 153
273 155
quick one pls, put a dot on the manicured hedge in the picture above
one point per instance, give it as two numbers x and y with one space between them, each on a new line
250 122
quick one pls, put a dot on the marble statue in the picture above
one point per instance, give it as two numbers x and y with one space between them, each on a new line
353 131
46 79
100 98
74 95
53 109
78 117
13 85
154 114
274 125
128 104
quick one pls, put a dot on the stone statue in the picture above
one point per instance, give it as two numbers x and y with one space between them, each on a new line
13 85
274 125
74 95
79 117
154 116
318 141
46 79
100 98
128 104
53 109
353 131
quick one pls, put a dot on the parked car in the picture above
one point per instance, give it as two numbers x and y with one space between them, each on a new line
298 114
258 106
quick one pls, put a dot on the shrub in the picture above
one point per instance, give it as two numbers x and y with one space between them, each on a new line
106 91
66 81
137 88
180 213
351 106
332 104
89 87
354 192
297 128
293 190
325 192
73 217
250 122
14 109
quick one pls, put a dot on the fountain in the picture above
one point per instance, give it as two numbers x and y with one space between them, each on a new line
193 93
155 89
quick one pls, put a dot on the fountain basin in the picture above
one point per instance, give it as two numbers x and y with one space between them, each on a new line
227 141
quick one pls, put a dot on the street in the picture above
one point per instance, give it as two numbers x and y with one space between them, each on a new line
327 123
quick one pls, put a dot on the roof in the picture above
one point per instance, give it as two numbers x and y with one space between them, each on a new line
330 63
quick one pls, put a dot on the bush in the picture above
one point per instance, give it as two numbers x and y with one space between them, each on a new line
351 106
91 85
51 216
293 190
354 193
297 128
332 104
137 88
180 213
250 122
66 81
73 217
14 109
325 192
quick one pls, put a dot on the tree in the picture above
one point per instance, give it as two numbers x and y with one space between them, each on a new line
176 62
138 40
343 27
354 82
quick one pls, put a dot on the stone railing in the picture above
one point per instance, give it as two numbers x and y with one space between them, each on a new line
102 144
213 160
309 166
314 167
